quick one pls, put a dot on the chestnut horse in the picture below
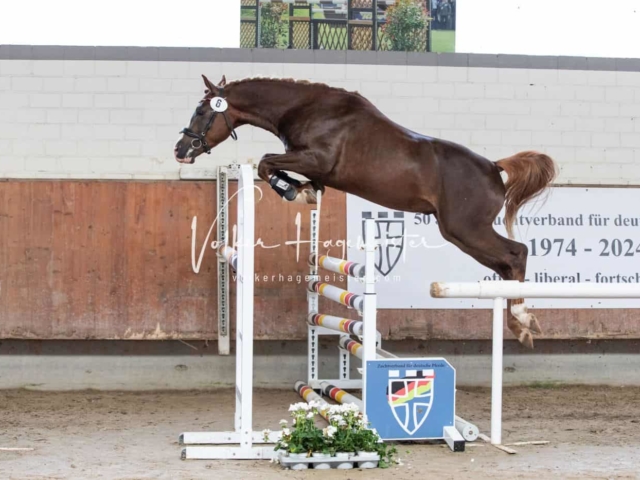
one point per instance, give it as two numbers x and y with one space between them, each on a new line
339 139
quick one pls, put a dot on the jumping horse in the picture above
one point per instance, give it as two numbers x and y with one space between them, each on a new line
339 139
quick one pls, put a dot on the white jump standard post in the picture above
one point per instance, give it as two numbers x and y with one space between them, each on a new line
499 291
243 435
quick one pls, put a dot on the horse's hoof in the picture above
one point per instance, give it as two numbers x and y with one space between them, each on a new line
534 326
310 197
526 338
526 319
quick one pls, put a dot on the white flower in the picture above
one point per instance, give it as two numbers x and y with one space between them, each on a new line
297 407
283 422
293 422
286 431
330 431
310 415
341 422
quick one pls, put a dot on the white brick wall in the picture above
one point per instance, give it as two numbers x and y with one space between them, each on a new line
120 119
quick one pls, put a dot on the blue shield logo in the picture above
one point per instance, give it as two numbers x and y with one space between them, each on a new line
410 396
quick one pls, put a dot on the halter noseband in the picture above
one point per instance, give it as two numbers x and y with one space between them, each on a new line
201 140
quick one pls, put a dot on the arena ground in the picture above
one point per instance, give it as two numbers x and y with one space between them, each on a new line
594 433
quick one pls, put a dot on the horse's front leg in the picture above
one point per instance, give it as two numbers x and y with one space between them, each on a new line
290 189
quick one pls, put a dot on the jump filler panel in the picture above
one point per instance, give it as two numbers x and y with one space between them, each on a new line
411 398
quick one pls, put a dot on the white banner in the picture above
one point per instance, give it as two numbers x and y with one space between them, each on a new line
575 235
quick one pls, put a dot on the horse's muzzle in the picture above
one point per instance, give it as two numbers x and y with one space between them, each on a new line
183 157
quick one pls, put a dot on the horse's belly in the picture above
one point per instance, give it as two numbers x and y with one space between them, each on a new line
401 198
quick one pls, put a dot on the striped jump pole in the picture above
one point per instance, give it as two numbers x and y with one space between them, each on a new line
230 255
340 396
307 393
336 294
345 325
353 347
356 349
352 269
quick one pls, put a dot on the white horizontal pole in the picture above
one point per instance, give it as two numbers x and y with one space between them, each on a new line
210 438
228 453
514 289
467 429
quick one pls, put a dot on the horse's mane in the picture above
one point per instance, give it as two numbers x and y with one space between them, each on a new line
289 80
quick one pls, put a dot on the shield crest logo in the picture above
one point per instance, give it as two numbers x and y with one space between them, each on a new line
389 237
410 397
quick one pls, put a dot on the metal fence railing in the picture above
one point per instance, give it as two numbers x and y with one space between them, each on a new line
334 25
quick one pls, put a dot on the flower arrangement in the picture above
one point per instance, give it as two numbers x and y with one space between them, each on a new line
347 432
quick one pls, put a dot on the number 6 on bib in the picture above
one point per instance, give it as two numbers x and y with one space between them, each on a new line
218 104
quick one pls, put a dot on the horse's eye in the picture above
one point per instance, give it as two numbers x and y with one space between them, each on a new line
199 111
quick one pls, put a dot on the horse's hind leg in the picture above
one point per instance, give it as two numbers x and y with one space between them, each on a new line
472 231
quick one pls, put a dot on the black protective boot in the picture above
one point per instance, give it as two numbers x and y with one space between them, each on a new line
284 185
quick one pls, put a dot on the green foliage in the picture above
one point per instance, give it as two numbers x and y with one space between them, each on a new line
406 26
304 437
272 27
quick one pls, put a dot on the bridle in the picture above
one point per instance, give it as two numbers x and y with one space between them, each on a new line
200 140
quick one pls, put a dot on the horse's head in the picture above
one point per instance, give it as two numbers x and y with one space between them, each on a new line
211 124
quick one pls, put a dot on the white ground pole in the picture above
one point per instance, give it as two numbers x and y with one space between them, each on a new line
222 188
243 435
498 291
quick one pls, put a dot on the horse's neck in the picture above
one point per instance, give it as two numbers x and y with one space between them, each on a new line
264 104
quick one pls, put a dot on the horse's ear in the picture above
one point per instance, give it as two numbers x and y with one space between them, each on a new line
223 81
210 86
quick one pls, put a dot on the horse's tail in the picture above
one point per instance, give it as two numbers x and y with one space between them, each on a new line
529 174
